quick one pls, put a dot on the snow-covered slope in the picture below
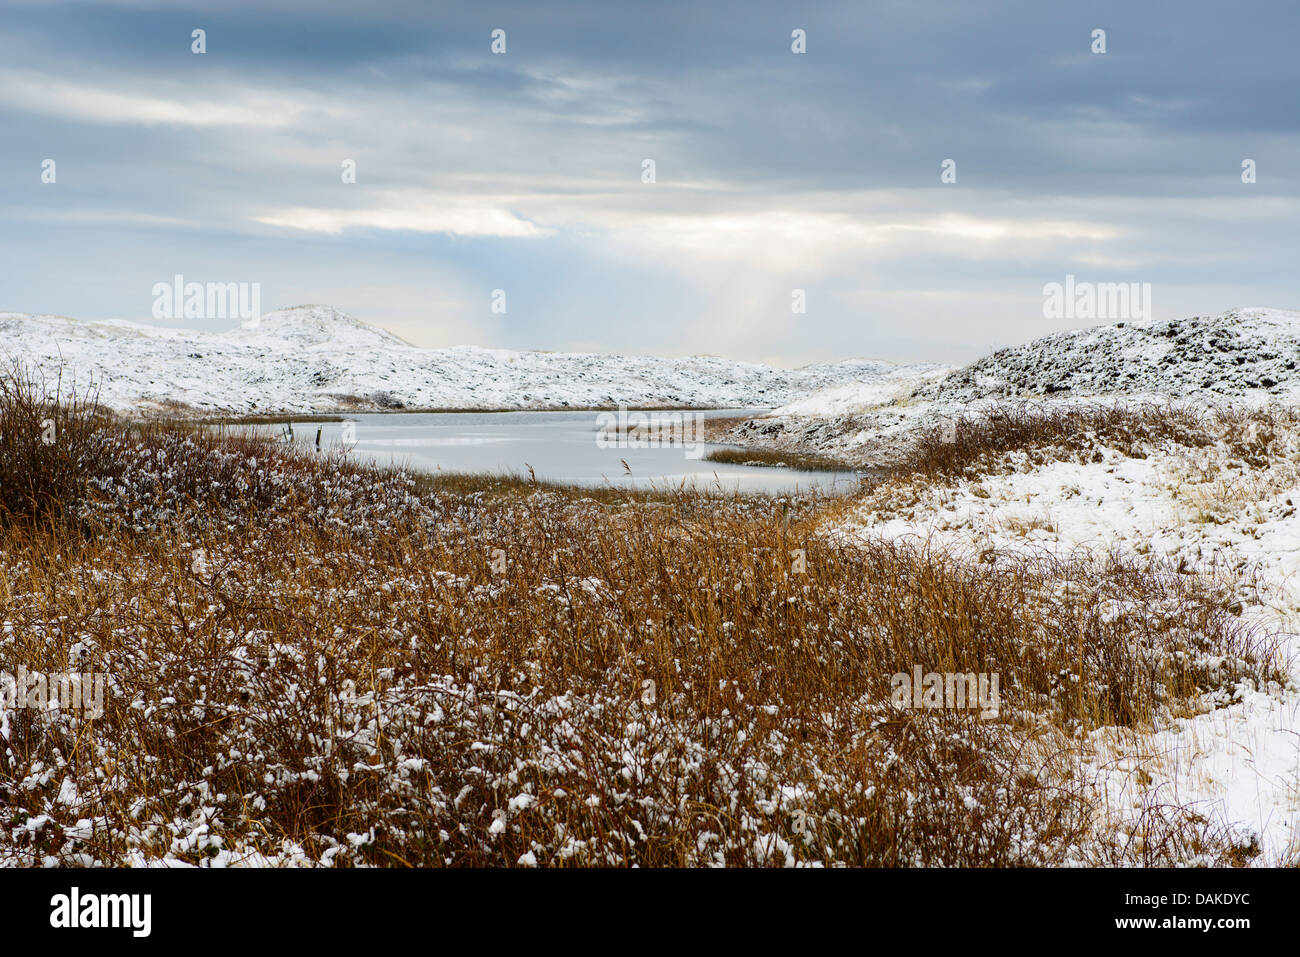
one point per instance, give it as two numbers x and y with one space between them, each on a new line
1240 351
1203 510
1200 509
1249 356
861 396
317 359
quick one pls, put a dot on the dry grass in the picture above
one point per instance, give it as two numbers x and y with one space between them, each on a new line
801 461
311 661
973 445
51 441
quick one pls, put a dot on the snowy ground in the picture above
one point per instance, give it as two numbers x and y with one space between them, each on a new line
1241 763
1200 508
316 359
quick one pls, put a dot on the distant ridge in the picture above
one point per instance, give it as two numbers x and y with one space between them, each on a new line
316 358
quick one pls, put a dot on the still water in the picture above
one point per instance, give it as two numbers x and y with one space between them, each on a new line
577 448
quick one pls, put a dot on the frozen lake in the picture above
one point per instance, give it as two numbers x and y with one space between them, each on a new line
578 448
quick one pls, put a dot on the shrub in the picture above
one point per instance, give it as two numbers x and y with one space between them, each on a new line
52 441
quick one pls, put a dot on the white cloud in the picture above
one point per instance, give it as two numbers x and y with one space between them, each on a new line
454 215
96 103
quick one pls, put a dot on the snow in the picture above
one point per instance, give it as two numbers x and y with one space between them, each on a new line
855 397
1243 351
318 359
1246 356
1240 763
1201 509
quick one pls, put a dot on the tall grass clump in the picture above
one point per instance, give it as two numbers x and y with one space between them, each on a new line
52 441
975 443
971 443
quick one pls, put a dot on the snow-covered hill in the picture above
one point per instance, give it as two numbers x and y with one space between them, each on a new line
1233 354
317 359
1248 355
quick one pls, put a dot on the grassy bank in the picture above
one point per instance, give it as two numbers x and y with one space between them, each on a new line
800 461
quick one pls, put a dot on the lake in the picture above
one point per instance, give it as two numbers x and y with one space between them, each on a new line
576 448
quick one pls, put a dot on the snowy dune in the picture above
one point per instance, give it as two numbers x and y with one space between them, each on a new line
317 359
1247 356
1239 764
1201 509
1250 352
1243 351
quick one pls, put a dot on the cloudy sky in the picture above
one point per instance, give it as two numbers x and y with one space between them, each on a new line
775 171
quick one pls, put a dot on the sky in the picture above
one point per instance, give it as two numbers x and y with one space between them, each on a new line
774 171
